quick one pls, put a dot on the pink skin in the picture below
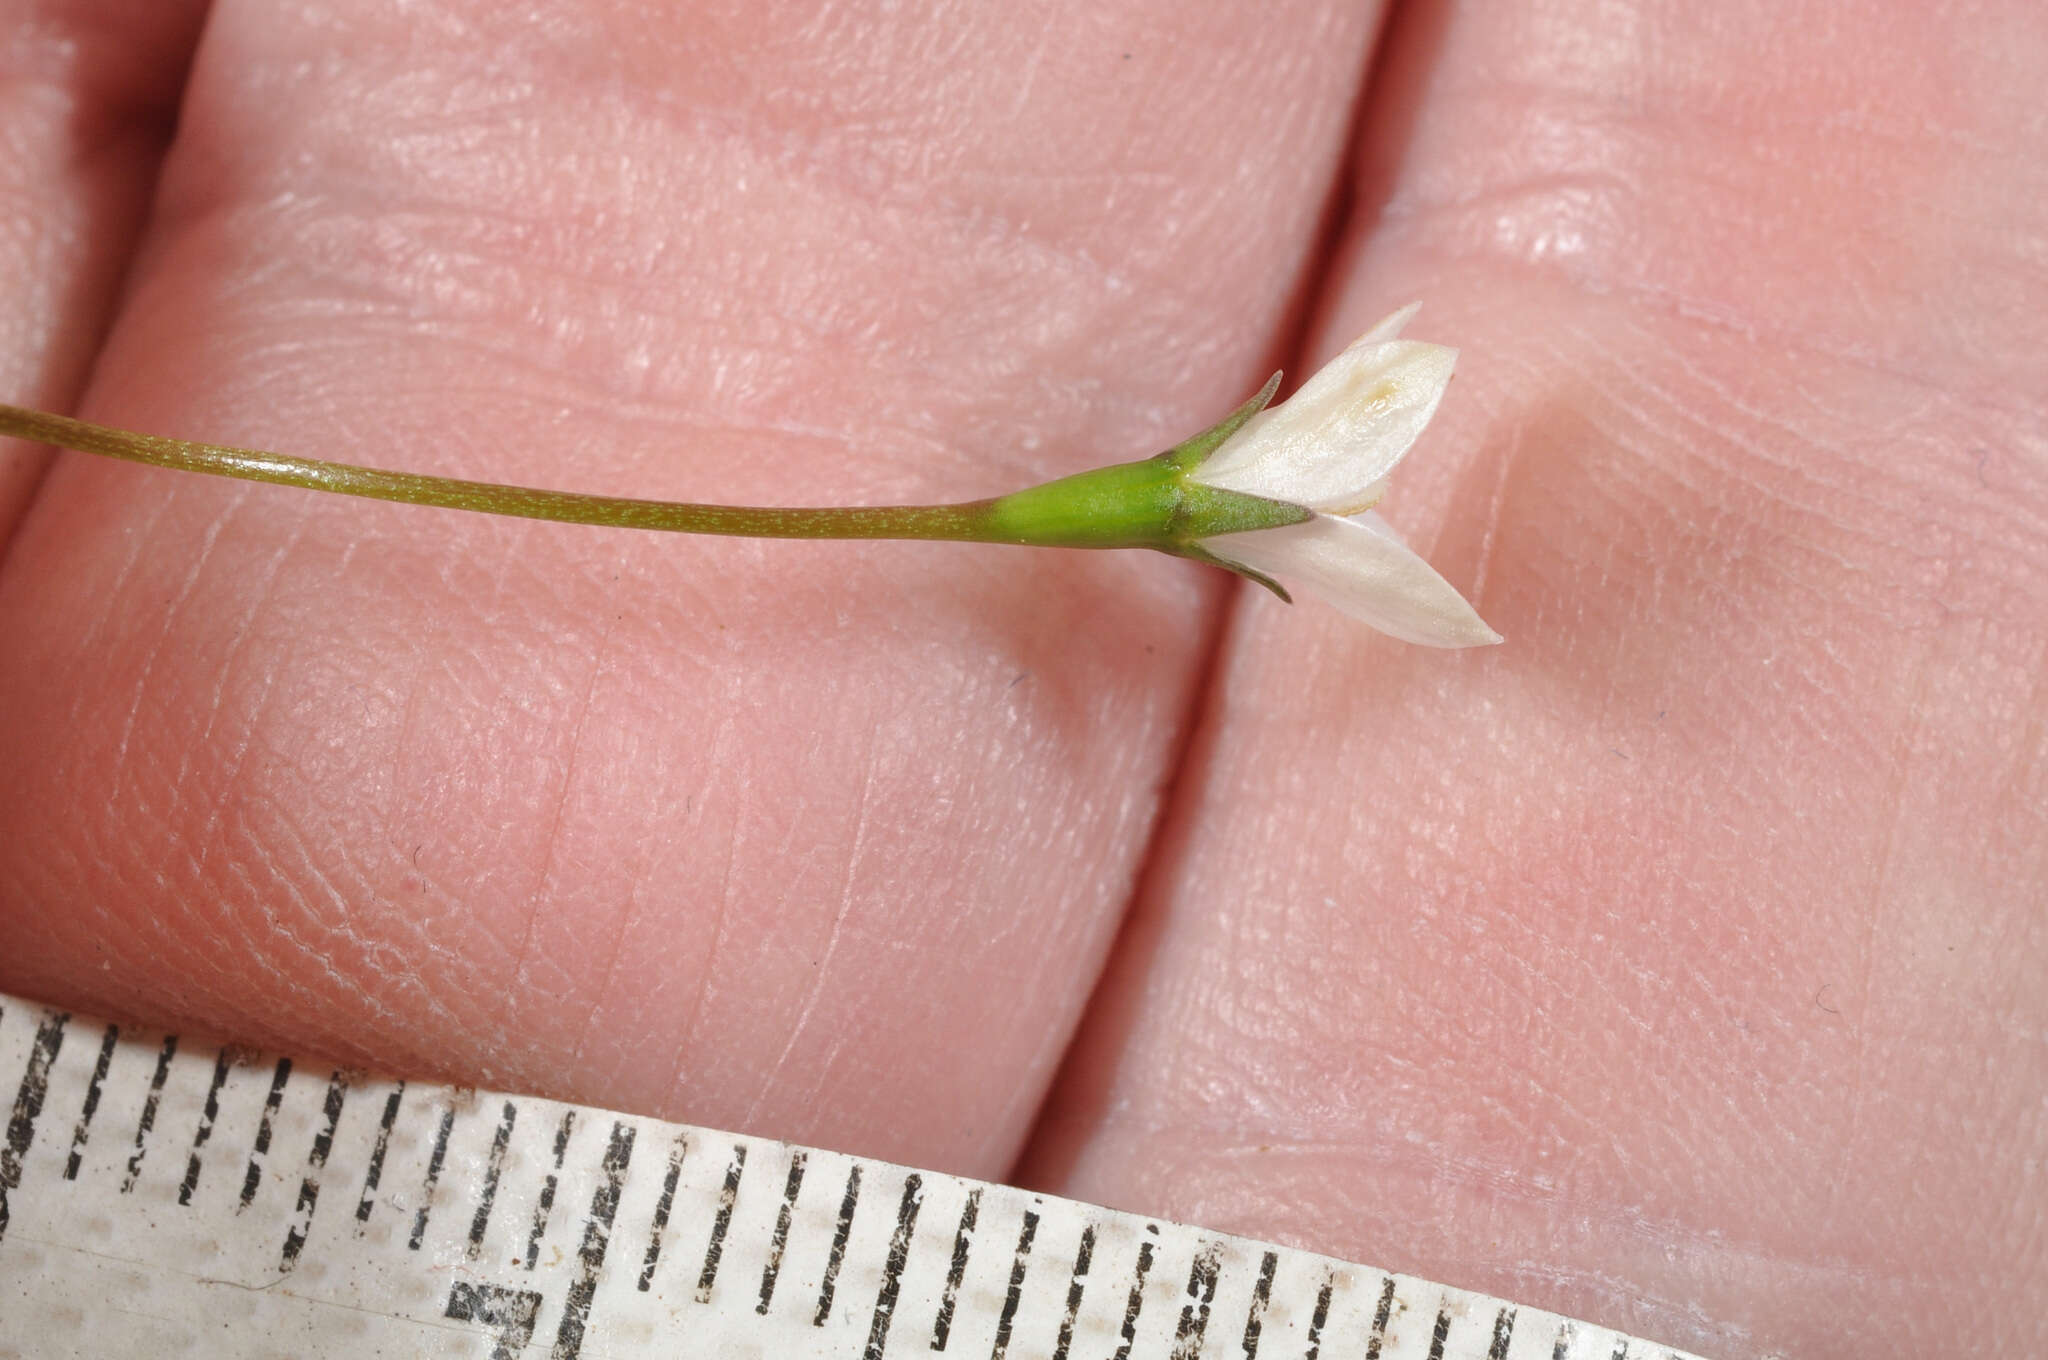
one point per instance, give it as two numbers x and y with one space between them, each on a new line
1682 964
88 89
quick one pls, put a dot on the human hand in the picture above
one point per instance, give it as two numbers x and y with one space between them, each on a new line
1680 964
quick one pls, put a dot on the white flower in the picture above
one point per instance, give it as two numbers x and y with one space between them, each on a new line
1329 449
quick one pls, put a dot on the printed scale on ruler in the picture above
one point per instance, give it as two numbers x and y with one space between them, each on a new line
155 1194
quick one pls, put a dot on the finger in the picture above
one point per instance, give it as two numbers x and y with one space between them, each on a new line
87 96
785 837
1678 963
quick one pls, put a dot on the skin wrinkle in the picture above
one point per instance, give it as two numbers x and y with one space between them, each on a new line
822 965
505 347
1496 506
1648 296
406 737
551 838
119 586
256 929
389 964
1758 452
237 641
234 768
721 907
1592 1216
1883 862
835 159
624 921
551 844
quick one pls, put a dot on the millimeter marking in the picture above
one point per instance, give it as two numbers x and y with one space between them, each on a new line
363 1223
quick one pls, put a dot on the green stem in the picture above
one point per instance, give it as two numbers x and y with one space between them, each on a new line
1151 503
968 522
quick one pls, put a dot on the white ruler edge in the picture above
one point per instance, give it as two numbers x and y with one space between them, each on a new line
158 1197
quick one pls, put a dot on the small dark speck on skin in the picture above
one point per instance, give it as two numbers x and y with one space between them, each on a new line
1021 677
1822 1004
1618 753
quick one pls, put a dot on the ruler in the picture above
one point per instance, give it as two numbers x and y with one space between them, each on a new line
159 1197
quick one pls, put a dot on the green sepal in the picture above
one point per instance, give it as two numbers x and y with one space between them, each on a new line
1209 511
1191 453
1195 552
1150 503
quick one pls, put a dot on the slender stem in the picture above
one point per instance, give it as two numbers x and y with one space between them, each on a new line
969 521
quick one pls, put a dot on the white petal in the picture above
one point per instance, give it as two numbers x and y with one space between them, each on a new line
1330 444
1361 566
1391 327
